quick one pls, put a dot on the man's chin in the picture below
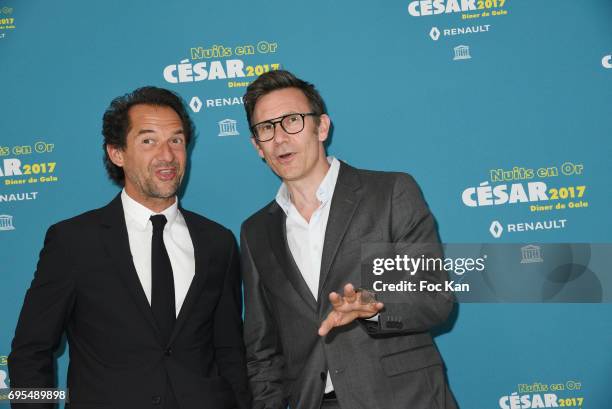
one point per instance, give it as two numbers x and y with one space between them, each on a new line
168 194
290 176
164 193
285 173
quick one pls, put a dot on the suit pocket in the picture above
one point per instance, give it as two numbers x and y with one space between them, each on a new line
410 360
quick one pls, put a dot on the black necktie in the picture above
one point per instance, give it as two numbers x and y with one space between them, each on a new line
162 280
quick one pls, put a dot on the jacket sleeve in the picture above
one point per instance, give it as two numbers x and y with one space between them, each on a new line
413 232
229 349
46 309
265 360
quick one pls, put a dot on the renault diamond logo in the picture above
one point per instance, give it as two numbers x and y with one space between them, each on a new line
434 33
195 104
496 229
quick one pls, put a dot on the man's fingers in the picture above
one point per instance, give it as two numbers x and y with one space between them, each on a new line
327 325
335 299
365 310
349 311
345 313
349 293
369 310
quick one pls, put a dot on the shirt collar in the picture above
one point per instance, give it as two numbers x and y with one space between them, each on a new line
324 193
140 214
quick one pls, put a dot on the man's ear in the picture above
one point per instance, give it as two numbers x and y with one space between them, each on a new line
324 125
257 147
115 153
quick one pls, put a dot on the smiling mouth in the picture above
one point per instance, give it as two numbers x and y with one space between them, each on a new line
166 174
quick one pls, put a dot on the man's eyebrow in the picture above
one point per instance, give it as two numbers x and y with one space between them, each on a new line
278 117
146 131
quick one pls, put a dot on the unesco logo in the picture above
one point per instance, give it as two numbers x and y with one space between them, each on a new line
6 222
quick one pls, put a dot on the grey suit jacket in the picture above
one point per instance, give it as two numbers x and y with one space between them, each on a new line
392 363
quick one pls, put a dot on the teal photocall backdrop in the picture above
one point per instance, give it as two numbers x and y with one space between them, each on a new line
485 103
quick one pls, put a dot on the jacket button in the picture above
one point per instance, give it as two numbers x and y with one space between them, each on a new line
168 352
156 400
323 376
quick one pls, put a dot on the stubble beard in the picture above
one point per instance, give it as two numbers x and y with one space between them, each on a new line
150 189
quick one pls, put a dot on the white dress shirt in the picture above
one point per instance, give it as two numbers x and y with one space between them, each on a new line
176 239
306 239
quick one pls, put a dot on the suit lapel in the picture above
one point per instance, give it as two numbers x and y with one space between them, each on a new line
202 258
277 235
344 203
116 241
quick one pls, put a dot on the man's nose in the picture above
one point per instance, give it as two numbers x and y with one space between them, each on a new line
165 152
280 136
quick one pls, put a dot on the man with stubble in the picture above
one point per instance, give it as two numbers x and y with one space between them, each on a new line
147 293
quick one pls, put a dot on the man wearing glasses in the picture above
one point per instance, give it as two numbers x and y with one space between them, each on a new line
313 339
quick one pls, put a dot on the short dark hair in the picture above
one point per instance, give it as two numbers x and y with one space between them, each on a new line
116 121
280 79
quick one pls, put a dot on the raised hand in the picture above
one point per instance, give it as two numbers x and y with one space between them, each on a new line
347 308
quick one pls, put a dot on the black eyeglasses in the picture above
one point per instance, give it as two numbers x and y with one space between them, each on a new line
291 124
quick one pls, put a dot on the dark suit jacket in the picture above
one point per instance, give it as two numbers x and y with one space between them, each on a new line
86 286
392 363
